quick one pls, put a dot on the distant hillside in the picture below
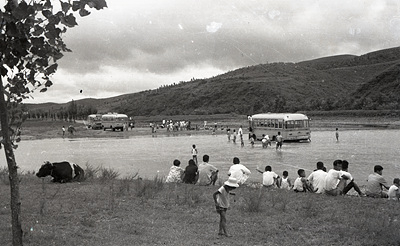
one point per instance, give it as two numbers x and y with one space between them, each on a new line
368 81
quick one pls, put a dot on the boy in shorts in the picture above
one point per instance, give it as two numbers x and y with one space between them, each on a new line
221 199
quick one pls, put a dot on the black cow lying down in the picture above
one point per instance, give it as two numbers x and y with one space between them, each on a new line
61 171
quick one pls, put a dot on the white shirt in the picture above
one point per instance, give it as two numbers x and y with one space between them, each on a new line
317 179
393 193
240 131
269 178
332 179
239 172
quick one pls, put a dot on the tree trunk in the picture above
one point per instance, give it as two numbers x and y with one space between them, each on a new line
12 170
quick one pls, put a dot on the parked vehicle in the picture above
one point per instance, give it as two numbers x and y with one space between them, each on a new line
114 121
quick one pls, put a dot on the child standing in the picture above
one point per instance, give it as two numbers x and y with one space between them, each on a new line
279 141
394 192
337 135
285 181
301 184
194 154
221 199
234 136
252 140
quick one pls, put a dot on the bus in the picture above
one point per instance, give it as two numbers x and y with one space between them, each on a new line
93 120
293 127
114 121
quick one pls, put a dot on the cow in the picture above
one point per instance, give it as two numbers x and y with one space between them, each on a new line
61 172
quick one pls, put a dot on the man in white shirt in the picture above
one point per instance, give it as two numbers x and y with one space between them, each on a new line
335 180
317 178
352 183
239 171
270 178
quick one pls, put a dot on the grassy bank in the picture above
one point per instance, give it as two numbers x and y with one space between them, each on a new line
131 211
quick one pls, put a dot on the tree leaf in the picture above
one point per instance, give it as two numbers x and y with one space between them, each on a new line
48 83
69 20
83 12
65 6
97 4
51 69
47 13
43 90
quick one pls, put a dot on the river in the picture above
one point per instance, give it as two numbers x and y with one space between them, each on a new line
153 155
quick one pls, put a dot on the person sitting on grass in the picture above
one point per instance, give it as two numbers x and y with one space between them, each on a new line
375 183
175 173
317 178
208 173
394 192
301 184
191 172
222 204
285 182
239 171
351 184
270 178
335 180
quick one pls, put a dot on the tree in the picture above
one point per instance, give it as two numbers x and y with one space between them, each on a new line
30 45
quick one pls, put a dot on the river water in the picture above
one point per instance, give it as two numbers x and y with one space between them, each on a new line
153 155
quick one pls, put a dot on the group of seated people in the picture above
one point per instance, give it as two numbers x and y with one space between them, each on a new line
203 174
337 181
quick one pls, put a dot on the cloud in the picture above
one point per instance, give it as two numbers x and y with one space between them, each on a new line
143 44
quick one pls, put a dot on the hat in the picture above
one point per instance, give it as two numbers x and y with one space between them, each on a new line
232 182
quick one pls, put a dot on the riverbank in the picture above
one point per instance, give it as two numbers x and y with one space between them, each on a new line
41 129
131 211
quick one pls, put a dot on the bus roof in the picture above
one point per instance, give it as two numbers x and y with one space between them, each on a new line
283 116
115 115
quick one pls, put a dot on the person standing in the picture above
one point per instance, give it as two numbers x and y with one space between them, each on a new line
63 131
279 141
317 178
208 173
222 203
239 171
240 135
337 135
194 153
234 136
228 132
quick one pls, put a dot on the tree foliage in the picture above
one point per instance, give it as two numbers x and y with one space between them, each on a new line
31 43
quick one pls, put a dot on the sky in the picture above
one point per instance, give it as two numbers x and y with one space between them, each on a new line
136 45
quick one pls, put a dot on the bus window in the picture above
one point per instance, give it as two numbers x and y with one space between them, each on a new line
280 126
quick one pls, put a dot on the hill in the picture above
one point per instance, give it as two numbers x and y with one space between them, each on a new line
342 82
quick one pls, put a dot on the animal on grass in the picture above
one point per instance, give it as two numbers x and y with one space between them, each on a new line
61 172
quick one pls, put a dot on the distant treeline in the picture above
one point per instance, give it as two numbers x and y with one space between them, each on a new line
72 111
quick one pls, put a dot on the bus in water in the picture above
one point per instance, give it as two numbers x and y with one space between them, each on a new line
114 121
293 127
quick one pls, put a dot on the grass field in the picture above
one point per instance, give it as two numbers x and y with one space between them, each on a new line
104 210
